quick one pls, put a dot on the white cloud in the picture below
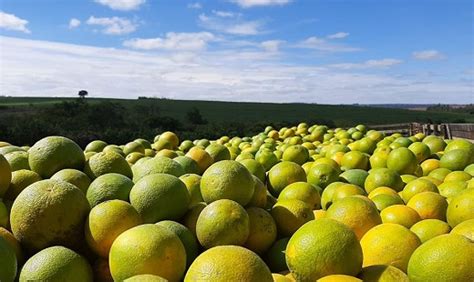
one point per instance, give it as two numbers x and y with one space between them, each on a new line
122 5
195 5
224 14
12 22
41 68
73 23
114 25
235 26
173 42
427 55
383 63
338 35
253 3
321 44
272 45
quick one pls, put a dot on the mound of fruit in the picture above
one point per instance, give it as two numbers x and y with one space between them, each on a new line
302 203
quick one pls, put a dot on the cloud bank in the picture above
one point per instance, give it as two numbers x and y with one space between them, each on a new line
41 68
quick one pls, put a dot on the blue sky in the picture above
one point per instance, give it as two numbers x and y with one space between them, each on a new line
321 51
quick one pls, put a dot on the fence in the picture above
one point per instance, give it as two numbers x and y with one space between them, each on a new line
446 130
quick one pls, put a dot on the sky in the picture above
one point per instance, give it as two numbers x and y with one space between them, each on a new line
306 51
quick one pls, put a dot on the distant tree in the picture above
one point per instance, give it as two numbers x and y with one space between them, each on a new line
83 94
194 116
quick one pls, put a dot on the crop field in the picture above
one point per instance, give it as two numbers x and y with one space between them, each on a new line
214 111
295 203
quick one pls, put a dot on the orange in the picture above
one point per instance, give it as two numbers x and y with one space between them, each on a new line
429 205
262 232
323 247
457 253
400 214
389 244
429 165
417 186
283 174
223 222
402 160
429 228
290 215
359 214
228 263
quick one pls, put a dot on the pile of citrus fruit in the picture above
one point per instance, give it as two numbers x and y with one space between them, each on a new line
302 203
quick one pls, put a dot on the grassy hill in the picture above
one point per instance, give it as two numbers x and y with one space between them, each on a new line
215 111
24 120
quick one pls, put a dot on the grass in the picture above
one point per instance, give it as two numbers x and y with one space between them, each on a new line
214 111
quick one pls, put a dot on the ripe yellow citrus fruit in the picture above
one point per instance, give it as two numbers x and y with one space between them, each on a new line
193 183
347 190
47 156
382 273
323 247
296 153
107 162
383 177
189 165
429 228
160 196
417 186
192 215
328 192
56 264
170 137
147 249
323 174
457 176
228 263
75 177
461 207
223 222
400 214
429 165
106 222
465 228
8 261
255 168
402 160
429 205
382 190
201 157
186 236
354 160
47 213
218 152
157 165
260 194
145 278
262 232
302 191
5 175
14 244
20 180
456 159
389 244
359 214
290 215
339 278
227 180
283 174
458 258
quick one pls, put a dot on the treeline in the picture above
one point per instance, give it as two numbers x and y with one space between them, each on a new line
114 123
467 109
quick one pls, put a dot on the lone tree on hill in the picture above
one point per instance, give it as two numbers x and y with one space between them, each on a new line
82 94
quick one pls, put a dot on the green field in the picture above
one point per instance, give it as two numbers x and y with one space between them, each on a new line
213 111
